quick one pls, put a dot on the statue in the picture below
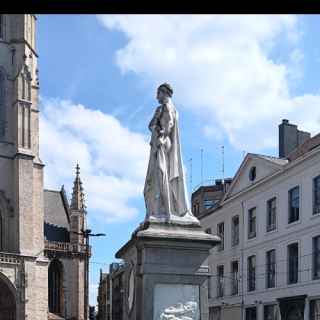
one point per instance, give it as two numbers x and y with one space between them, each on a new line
165 189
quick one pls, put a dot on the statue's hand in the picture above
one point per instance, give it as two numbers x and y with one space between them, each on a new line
165 142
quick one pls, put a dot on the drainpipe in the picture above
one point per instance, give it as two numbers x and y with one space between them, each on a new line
242 262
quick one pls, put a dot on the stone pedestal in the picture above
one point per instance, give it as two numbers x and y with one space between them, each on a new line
167 272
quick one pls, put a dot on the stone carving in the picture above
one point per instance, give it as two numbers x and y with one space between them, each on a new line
165 189
180 311
176 302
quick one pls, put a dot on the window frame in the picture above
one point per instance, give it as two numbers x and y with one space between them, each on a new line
271 266
233 233
292 279
290 207
271 213
275 311
221 245
313 304
220 281
234 279
251 273
1 232
2 25
252 234
316 258
249 316
315 197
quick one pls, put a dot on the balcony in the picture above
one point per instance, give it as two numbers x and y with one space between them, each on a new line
67 247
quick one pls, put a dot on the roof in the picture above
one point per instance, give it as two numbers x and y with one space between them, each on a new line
305 147
56 216
276 160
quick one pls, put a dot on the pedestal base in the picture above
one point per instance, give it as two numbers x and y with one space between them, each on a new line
167 272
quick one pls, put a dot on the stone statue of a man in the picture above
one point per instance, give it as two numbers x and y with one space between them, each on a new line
165 190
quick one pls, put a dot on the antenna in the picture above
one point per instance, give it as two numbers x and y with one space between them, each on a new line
222 151
243 153
190 176
201 166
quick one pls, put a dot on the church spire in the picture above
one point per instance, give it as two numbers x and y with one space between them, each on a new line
77 202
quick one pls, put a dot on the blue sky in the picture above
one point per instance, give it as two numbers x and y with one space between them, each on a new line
234 79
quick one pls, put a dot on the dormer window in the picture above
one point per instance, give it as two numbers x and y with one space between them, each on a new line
252 173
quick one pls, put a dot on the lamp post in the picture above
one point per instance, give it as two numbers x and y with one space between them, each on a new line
87 234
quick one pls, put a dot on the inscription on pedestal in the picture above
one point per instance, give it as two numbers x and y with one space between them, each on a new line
176 302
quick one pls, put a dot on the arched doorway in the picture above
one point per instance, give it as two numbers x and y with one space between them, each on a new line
7 300
55 287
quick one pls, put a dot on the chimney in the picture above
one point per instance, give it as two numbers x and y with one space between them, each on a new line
290 138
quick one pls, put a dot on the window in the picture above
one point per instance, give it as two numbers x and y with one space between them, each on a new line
316 195
209 203
196 209
221 235
271 214
1 26
315 309
1 233
294 204
316 257
215 313
293 263
251 313
220 281
252 173
234 277
252 273
271 269
2 105
55 287
270 312
235 231
209 287
252 223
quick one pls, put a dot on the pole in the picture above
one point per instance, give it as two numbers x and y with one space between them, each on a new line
201 166
222 164
86 300
190 176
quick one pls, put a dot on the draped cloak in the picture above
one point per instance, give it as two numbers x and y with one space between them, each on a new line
165 189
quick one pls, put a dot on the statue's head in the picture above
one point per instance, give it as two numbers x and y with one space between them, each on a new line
164 92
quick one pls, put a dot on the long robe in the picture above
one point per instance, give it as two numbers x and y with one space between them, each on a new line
165 189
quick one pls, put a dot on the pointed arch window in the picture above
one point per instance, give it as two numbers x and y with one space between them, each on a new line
55 282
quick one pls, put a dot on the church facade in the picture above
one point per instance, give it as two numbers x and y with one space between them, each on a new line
44 253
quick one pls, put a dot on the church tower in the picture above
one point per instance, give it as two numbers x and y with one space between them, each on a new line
78 222
21 170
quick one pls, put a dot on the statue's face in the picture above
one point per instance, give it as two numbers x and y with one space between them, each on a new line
162 96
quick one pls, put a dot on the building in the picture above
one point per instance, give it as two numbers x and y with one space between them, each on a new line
208 197
267 266
111 293
43 253
68 252
104 297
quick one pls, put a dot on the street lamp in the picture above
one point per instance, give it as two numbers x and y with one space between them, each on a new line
87 234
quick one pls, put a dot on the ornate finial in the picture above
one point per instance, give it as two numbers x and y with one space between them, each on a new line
77 202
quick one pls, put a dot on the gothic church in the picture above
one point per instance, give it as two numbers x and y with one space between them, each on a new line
44 255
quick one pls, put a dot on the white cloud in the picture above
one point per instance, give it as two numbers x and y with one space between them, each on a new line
112 158
222 68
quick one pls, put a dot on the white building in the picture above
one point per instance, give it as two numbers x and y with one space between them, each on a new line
268 265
